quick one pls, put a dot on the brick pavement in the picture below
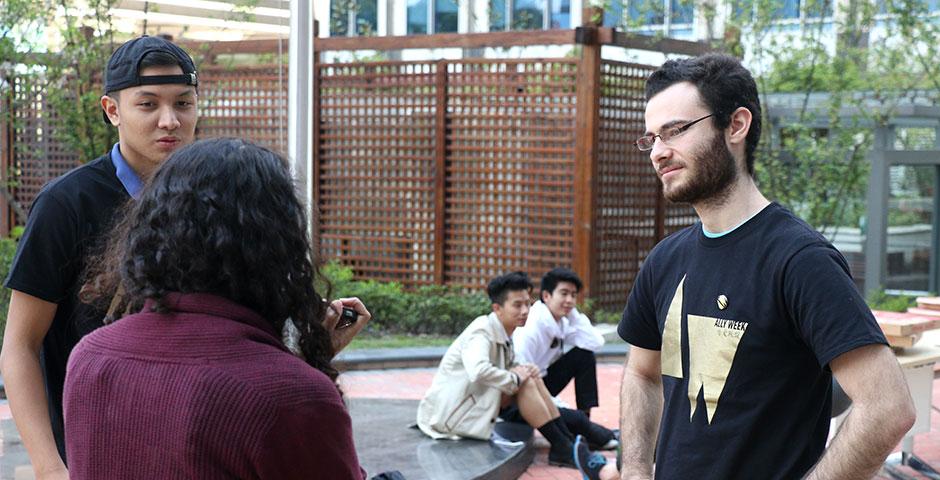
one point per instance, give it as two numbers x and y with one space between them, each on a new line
412 383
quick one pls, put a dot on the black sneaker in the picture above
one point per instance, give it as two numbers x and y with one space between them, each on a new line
588 463
561 460
611 444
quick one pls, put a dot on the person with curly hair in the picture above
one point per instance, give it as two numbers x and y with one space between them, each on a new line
216 260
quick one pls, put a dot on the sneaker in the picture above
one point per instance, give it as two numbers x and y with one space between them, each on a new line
619 454
588 463
611 444
561 460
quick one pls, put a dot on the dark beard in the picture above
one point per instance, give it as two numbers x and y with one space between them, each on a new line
715 174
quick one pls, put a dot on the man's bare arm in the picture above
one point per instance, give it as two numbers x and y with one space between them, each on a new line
641 408
882 412
28 320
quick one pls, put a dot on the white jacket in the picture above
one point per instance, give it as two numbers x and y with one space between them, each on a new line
464 397
533 342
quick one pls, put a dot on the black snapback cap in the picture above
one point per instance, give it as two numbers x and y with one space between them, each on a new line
123 67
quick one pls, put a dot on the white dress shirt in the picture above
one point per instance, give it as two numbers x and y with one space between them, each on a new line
543 340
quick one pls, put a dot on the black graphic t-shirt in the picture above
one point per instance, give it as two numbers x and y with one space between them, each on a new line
69 220
746 325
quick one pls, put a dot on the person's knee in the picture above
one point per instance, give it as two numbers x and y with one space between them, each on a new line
581 356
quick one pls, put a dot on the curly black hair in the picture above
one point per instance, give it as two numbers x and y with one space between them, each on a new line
220 216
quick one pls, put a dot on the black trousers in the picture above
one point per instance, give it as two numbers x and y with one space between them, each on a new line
580 365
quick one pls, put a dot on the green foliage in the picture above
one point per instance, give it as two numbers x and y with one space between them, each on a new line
7 250
818 164
587 307
434 310
879 300
399 341
71 77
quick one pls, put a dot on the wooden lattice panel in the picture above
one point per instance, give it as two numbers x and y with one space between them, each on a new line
38 156
628 190
510 163
244 102
376 168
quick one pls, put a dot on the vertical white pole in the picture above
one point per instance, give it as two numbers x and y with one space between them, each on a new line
300 95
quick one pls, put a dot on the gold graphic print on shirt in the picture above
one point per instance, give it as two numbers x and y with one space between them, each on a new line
671 353
713 343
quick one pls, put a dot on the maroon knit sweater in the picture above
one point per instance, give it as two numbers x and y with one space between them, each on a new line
206 391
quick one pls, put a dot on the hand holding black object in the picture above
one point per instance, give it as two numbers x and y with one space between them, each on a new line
337 321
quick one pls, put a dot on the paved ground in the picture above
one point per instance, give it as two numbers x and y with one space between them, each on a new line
412 383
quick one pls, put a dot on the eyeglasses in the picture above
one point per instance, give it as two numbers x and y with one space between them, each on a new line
646 142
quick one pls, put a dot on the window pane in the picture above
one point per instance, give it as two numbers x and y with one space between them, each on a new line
910 214
818 8
528 14
646 12
787 9
561 14
445 16
367 17
417 16
497 15
681 11
339 18
613 16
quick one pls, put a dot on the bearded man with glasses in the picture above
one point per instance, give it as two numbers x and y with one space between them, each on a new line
738 323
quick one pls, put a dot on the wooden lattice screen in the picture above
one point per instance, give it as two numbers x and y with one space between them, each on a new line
376 175
244 101
455 171
507 132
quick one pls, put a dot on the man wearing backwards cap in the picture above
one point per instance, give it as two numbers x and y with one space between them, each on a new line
150 96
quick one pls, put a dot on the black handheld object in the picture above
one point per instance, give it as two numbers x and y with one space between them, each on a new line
347 318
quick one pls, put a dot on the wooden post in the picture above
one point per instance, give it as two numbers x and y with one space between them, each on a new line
440 173
584 260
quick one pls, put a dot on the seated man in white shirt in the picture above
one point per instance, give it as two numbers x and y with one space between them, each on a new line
561 342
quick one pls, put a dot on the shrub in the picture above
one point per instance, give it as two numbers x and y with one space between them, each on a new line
434 309
598 315
7 250
879 300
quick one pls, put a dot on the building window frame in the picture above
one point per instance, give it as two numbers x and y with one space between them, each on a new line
509 19
352 17
431 11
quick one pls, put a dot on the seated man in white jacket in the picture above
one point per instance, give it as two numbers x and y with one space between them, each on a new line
478 376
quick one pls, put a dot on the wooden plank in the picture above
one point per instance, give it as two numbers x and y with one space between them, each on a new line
905 341
448 40
440 173
904 324
929 303
608 36
924 312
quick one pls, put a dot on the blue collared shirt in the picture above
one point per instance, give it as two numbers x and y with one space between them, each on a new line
132 183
